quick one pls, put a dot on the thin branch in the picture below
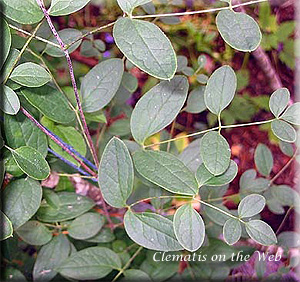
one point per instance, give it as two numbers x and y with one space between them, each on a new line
284 219
71 71
198 12
22 51
34 36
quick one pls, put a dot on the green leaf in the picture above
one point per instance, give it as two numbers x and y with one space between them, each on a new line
51 256
204 177
195 102
220 89
34 233
165 170
284 131
12 274
30 75
104 236
23 12
101 84
158 108
261 232
12 56
20 131
250 184
151 231
239 30
129 85
66 7
286 148
10 102
67 35
136 274
50 102
157 58
128 5
86 226
251 205
90 264
215 153
291 114
6 227
279 101
70 136
6 41
51 198
189 228
116 173
216 216
22 199
289 239
31 162
232 231
263 159
71 206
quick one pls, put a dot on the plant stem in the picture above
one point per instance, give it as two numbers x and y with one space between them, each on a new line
71 71
22 51
58 142
198 12
211 129
34 36
127 264
89 33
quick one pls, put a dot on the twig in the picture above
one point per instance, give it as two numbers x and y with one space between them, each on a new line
284 219
71 71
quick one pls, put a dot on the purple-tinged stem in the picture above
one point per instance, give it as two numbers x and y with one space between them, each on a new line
71 71
70 164
58 142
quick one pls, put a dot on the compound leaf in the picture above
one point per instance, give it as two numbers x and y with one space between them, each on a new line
146 46
165 170
151 231
189 228
116 173
158 108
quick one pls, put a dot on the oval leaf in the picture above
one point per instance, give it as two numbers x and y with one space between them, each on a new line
31 162
284 131
101 84
50 102
6 42
23 12
30 75
158 108
165 170
189 228
157 57
20 131
204 177
220 89
291 114
239 30
232 231
71 206
261 232
66 7
86 226
251 205
151 231
12 56
34 233
49 257
190 156
90 264
116 173
278 101
195 103
6 227
10 103
22 199
215 152
128 5
263 159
